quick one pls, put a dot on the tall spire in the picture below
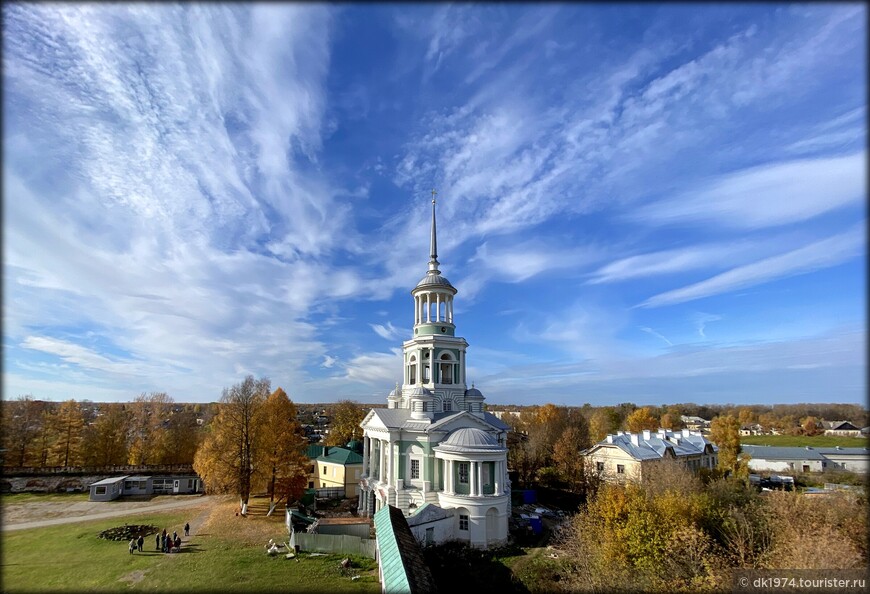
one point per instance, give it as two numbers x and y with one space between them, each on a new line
433 243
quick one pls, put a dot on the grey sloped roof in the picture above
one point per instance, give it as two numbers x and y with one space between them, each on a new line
655 446
392 417
429 512
782 453
843 451
495 421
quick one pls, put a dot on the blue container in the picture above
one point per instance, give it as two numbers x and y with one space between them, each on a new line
529 496
536 524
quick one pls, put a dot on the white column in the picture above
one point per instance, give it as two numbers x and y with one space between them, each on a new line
472 479
365 469
462 367
496 478
390 472
480 478
428 309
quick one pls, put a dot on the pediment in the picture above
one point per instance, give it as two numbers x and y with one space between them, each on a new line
460 421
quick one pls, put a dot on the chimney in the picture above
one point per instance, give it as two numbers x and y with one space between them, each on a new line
646 434
609 438
325 450
634 438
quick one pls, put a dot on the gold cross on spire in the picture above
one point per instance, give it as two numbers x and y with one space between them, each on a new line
433 195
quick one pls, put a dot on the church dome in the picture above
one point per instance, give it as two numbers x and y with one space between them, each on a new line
420 392
474 394
468 439
434 280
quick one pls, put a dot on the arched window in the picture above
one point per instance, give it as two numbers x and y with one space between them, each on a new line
446 365
412 370
447 405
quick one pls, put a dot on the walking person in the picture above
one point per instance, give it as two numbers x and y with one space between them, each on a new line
186 529
139 542
177 544
168 544
132 545
157 542
163 542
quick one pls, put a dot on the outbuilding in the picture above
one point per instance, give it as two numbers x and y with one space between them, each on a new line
138 485
107 489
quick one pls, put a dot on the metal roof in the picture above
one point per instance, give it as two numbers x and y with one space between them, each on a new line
470 439
344 456
653 446
109 481
759 452
403 569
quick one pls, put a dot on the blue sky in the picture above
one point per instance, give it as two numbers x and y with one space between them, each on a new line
641 203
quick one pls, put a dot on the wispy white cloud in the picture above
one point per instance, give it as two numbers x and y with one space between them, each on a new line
388 331
656 334
820 254
700 320
768 195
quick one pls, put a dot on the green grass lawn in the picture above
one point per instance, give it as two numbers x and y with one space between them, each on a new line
818 441
28 497
71 558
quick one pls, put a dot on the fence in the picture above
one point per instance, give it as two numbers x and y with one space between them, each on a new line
331 493
143 469
336 543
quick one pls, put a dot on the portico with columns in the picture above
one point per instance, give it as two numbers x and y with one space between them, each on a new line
434 443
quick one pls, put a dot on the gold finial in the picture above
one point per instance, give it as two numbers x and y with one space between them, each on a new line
433 195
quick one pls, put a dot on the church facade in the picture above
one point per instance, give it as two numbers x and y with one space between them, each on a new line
434 452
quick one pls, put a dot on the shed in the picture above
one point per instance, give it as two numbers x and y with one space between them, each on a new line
107 489
360 527
138 485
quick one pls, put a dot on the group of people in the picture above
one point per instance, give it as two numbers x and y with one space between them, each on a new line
162 541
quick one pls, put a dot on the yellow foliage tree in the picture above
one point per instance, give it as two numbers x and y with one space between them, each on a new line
149 439
283 447
344 426
229 459
68 429
725 433
641 419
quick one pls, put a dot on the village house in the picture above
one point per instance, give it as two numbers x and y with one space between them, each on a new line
624 456
806 459
842 428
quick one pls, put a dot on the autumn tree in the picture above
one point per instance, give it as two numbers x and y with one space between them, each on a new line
725 433
184 436
566 454
228 460
149 439
747 416
811 426
22 424
641 419
283 448
68 429
344 426
105 441
603 422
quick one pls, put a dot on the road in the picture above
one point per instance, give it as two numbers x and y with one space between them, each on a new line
19 516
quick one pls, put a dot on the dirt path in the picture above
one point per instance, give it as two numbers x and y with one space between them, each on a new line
93 512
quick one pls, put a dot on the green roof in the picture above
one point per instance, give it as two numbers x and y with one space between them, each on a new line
314 450
403 568
341 456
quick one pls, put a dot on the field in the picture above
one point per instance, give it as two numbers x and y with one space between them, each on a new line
816 441
223 553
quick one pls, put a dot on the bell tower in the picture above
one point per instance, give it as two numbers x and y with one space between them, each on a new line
435 357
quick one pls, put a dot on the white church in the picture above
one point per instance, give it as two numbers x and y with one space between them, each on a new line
434 452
